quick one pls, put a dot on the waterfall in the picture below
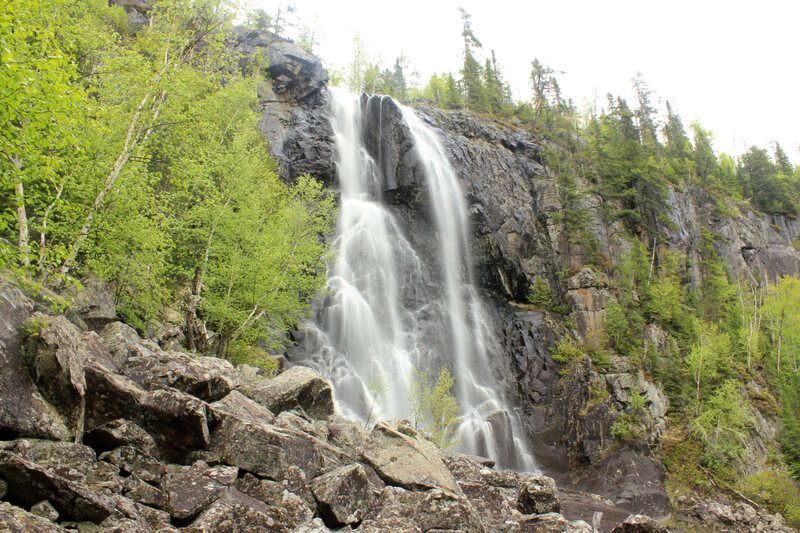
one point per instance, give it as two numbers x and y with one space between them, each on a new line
368 334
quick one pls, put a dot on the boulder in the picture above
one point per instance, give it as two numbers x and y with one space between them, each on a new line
45 509
345 495
30 483
119 337
538 495
284 506
297 388
434 509
120 432
138 490
23 410
190 491
176 421
262 449
240 406
207 378
14 519
295 73
56 357
92 305
235 511
402 457
639 524
545 523
130 460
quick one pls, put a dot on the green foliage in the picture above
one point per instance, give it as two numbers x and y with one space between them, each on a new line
775 490
135 157
246 354
722 427
543 296
434 406
621 429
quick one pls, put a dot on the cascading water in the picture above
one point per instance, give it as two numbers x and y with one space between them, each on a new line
368 339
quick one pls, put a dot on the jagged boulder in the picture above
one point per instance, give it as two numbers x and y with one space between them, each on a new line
639 524
119 338
434 509
130 460
120 432
284 506
538 495
235 511
23 409
176 421
297 388
545 523
345 495
404 458
92 305
240 406
30 483
14 519
207 378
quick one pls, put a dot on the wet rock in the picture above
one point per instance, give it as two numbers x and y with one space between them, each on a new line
23 409
14 519
538 495
345 495
30 483
207 378
120 432
284 506
45 509
294 72
119 338
297 388
404 458
639 524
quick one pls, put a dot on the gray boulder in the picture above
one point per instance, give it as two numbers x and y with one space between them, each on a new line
240 406
119 338
639 524
538 495
297 388
120 432
402 457
14 519
92 305
284 506
23 409
235 511
345 495
435 509
45 509
207 378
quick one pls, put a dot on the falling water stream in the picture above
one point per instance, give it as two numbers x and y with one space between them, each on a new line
369 337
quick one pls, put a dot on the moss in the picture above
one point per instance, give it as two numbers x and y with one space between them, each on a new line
33 326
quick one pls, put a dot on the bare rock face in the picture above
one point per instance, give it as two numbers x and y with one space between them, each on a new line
639 524
119 338
235 511
402 457
345 495
121 432
430 510
297 388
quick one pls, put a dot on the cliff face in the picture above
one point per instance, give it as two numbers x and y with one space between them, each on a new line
517 238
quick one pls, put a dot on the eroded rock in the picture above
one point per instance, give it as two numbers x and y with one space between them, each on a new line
345 495
538 495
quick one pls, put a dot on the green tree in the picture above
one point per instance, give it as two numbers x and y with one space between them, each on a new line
434 406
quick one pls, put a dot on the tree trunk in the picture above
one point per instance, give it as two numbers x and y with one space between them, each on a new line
22 216
194 340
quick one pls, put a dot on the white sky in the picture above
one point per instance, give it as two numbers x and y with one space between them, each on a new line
731 64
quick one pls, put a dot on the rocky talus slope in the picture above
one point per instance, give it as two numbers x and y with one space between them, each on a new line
101 430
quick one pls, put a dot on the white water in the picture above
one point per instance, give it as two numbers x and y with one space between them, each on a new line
366 334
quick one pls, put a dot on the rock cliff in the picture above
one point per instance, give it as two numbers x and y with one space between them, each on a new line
515 205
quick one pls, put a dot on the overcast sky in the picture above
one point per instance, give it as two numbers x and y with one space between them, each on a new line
732 64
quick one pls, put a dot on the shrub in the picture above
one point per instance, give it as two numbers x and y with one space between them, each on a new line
775 490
